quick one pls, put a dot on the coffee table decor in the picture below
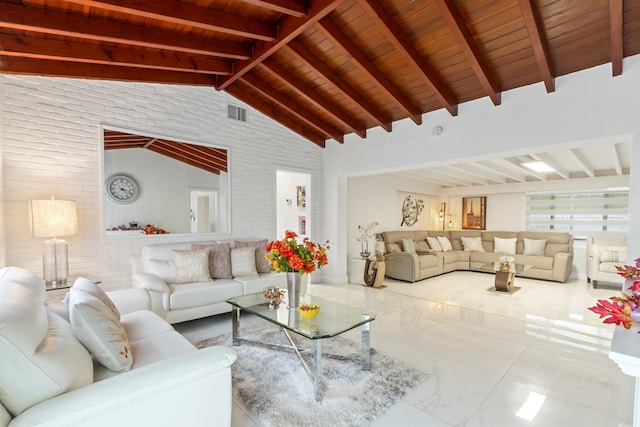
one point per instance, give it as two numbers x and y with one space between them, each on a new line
276 391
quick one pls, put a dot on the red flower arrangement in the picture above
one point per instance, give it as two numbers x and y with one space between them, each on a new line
153 229
619 309
287 255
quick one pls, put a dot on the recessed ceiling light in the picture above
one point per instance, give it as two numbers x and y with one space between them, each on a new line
538 167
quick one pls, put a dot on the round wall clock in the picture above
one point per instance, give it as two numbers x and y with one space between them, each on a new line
121 188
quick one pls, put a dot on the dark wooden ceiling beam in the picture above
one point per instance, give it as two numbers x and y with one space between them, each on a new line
360 60
287 7
289 79
196 163
290 28
538 43
616 13
294 125
181 13
464 38
293 108
331 78
40 48
395 34
197 153
42 67
48 21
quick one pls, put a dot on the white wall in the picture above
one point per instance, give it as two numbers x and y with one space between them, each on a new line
50 134
586 107
289 214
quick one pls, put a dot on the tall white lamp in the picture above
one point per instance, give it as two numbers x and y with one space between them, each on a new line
54 218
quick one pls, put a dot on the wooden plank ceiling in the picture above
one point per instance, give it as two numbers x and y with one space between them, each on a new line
323 68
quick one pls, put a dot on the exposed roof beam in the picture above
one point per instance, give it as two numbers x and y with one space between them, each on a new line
457 173
464 38
290 28
360 60
516 165
617 158
299 50
538 43
294 125
292 107
480 171
395 34
287 7
288 78
492 167
550 162
39 48
582 162
451 177
616 9
42 67
48 21
182 13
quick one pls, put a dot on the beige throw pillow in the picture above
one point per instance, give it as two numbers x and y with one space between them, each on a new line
262 264
192 265
612 254
445 244
472 244
95 325
434 244
534 246
422 247
504 246
393 248
219 259
243 262
408 246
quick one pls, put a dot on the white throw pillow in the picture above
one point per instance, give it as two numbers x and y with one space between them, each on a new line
504 246
243 262
408 246
434 244
87 285
192 265
95 325
534 246
472 244
445 244
612 254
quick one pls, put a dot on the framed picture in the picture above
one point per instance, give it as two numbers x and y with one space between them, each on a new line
474 213
301 192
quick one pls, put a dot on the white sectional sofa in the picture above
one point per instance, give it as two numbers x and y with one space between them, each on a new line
233 270
552 259
48 377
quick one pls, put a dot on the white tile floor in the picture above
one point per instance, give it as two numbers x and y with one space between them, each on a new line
493 359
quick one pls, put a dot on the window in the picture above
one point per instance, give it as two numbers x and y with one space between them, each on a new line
579 213
237 113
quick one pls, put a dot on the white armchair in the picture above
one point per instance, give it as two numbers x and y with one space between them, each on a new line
603 254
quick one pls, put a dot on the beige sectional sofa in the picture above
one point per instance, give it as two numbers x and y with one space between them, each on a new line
550 253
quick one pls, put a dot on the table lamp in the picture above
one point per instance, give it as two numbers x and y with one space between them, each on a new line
54 218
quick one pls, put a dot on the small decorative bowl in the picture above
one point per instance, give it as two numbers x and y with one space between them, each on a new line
309 311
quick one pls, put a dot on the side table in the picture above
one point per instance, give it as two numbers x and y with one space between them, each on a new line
374 271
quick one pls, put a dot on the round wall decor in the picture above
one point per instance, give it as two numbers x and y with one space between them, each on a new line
121 188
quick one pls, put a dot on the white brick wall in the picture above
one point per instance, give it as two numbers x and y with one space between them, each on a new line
50 142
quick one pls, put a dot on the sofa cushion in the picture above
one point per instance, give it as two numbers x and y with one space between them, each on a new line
243 262
428 261
99 330
408 246
203 293
219 259
504 246
393 247
472 243
40 357
25 278
422 247
143 323
262 264
534 246
191 265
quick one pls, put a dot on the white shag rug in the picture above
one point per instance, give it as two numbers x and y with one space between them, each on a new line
274 386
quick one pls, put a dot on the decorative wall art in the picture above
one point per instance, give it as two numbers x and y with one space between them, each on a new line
301 191
474 213
411 210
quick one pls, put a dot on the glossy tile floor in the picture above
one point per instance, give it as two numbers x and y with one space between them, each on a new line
534 358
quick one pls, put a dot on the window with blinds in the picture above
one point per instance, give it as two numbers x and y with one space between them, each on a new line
579 213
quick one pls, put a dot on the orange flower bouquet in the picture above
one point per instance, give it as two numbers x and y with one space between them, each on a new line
287 255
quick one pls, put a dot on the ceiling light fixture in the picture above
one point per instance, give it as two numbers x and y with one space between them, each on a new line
538 166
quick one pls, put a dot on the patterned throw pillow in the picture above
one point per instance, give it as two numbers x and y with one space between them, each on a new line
612 254
445 244
472 244
192 265
434 244
219 259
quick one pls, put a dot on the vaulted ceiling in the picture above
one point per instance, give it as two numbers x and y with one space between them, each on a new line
323 68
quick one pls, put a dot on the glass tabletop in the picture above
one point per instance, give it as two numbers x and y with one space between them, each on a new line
495 266
332 320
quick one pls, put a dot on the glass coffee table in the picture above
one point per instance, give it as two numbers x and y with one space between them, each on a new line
332 320
504 279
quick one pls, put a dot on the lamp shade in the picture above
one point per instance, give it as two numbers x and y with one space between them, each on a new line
54 218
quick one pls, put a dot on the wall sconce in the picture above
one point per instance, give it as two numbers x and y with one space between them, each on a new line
54 218
443 216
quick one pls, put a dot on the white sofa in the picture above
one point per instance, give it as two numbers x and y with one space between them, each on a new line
155 270
603 254
48 378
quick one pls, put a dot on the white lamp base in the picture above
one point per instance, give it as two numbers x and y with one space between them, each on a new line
55 262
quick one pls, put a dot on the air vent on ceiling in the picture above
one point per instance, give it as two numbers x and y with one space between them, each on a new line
237 113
